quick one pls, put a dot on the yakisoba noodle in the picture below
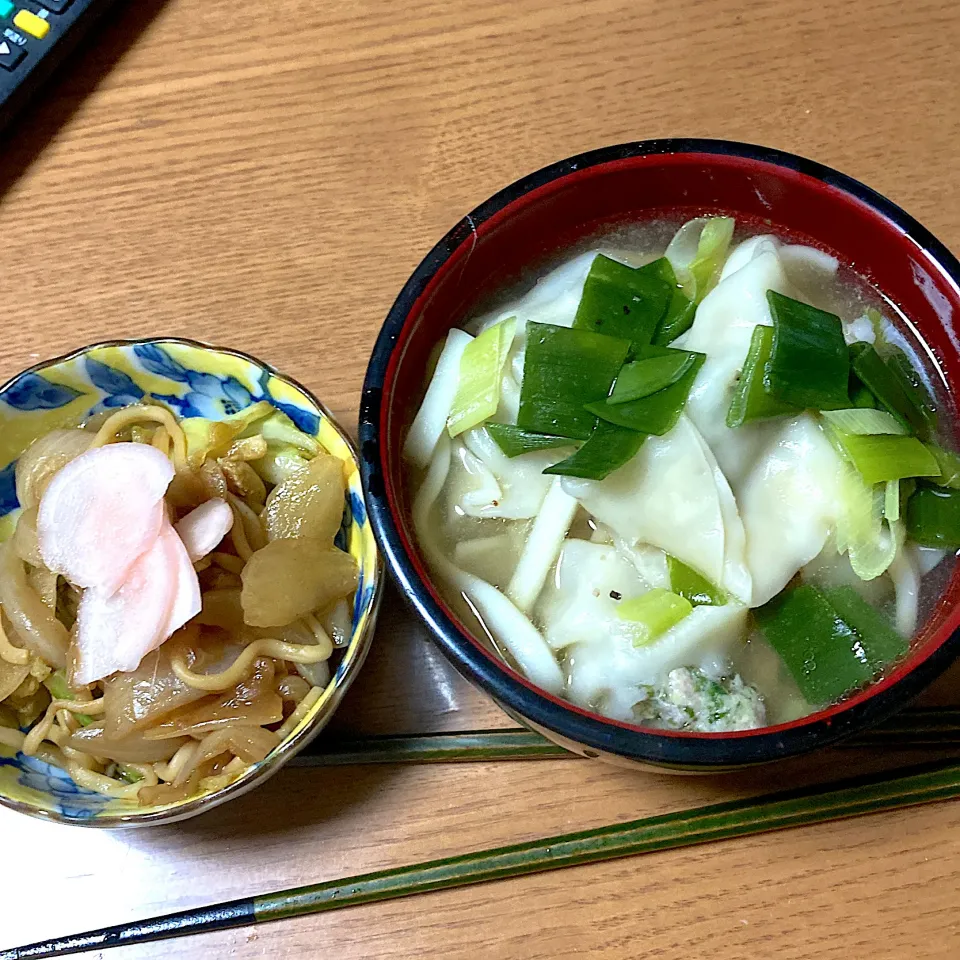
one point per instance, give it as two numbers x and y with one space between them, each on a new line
225 688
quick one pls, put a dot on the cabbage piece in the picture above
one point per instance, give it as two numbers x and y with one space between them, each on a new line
665 496
252 702
279 430
789 503
213 438
136 700
488 483
280 463
437 402
133 748
509 627
543 545
906 581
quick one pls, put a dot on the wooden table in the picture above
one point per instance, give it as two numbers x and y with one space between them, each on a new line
266 176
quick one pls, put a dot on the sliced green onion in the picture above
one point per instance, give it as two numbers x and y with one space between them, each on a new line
882 644
644 377
693 586
697 253
865 422
825 654
809 366
622 301
750 399
876 321
887 386
514 441
861 397
901 367
608 448
56 683
653 614
949 464
481 369
128 774
563 370
933 518
862 532
680 310
891 501
882 457
658 413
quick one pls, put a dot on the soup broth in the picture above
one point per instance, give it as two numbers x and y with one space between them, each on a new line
733 531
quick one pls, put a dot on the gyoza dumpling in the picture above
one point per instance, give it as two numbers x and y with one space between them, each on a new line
667 496
790 501
606 675
722 330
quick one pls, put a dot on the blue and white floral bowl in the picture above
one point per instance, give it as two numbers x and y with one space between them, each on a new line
193 380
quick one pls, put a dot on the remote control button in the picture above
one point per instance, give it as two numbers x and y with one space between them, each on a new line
57 6
6 8
10 55
31 24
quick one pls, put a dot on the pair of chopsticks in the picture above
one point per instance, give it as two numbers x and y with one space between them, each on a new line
933 728
926 783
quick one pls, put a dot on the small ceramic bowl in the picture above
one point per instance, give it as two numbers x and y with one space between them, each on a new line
551 210
193 380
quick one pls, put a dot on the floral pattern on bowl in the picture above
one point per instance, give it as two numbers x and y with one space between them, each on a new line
193 380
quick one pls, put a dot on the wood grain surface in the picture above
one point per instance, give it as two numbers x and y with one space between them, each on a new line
266 176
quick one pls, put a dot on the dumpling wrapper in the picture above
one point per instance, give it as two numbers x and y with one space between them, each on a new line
667 496
101 512
553 299
790 501
578 604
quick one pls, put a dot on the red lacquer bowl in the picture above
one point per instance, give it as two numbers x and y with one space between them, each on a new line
545 213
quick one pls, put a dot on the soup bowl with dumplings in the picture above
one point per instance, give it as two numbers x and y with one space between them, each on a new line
658 443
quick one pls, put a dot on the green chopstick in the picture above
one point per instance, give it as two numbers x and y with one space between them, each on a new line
916 728
811 805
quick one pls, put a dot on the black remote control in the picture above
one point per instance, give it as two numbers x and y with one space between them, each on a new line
34 38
